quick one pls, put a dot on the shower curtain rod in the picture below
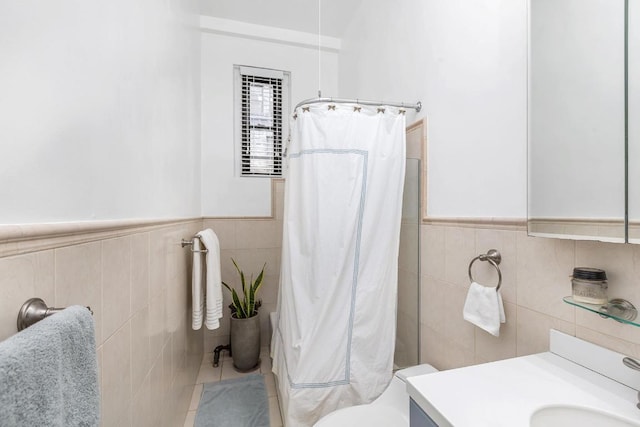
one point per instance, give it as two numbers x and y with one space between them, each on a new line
417 106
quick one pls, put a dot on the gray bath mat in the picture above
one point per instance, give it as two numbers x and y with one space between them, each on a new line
239 402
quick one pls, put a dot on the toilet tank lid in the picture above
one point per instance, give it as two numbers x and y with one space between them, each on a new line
413 371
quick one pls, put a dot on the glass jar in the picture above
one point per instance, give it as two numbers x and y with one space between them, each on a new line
589 285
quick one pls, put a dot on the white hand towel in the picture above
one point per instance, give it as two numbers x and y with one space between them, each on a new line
197 291
214 279
483 307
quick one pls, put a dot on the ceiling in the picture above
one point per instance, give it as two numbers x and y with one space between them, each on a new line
298 15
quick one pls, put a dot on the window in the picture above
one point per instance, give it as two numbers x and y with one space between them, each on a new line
262 103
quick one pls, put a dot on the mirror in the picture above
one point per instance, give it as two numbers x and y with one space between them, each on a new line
633 119
577 126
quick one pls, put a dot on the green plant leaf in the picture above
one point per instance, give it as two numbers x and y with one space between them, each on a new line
236 302
240 310
253 289
258 282
247 298
240 273
248 305
252 300
230 290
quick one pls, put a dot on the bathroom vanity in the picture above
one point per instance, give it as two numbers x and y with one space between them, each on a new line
576 383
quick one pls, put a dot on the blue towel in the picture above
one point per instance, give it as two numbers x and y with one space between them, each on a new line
49 373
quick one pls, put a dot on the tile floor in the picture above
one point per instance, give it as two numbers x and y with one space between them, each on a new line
225 371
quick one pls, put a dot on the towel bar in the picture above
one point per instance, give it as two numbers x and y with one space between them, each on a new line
494 258
190 243
34 310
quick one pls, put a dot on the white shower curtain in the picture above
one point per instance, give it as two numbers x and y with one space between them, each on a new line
334 341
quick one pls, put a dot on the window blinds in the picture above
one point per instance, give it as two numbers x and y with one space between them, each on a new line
261 123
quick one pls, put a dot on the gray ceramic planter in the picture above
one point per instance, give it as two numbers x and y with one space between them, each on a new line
245 343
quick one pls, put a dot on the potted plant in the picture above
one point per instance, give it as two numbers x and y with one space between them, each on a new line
245 322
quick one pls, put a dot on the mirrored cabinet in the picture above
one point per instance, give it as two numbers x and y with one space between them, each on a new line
633 118
584 120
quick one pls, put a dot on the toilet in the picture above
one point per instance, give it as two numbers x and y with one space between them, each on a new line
390 409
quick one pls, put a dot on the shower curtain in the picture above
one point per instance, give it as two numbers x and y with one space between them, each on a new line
334 341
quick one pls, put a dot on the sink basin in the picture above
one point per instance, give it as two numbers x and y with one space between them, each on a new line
569 416
575 384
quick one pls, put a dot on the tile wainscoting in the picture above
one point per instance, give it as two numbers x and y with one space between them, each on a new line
136 278
535 275
251 242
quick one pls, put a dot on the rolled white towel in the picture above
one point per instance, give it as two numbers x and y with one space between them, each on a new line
213 286
197 290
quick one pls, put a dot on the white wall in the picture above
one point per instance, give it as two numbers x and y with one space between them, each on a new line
224 194
466 60
99 110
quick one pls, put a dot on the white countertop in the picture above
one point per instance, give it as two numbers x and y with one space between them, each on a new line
507 392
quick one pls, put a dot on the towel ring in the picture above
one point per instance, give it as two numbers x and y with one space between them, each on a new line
494 258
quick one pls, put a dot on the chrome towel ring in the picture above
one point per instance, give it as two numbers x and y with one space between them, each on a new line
494 258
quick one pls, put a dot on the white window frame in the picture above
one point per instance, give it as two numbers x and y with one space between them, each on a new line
238 72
